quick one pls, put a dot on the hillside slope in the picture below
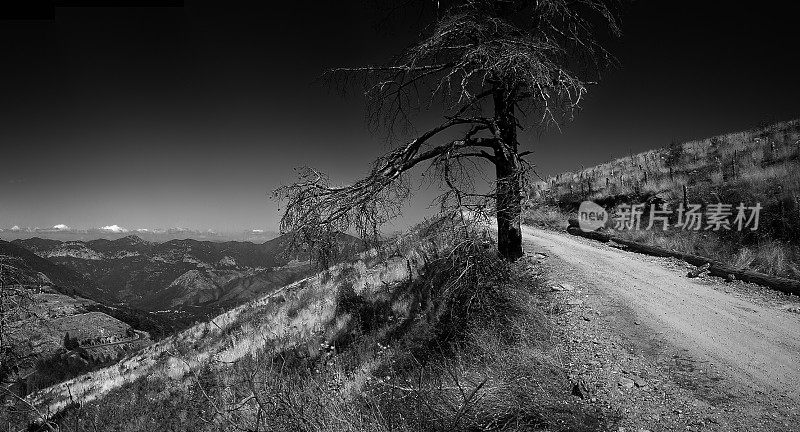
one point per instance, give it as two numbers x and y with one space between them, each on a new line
63 278
752 155
754 168
436 333
301 314
33 336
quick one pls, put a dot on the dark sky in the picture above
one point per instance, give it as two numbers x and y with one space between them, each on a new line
165 117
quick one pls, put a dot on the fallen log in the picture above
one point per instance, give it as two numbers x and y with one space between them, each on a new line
786 285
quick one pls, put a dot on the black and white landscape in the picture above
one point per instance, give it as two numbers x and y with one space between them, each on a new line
466 215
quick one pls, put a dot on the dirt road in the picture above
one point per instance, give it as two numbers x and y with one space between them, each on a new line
138 336
755 344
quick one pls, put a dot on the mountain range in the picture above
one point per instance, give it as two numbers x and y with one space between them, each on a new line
180 275
118 288
66 233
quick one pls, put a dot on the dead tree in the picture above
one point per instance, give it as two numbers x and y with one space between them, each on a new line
490 67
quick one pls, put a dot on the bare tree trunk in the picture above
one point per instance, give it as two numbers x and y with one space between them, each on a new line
508 199
509 209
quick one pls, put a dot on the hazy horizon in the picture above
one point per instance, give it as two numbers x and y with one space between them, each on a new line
152 235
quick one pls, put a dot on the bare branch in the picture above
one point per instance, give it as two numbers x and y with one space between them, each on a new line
534 57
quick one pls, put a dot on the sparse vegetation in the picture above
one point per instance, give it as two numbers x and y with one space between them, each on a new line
468 345
70 343
15 301
757 166
64 365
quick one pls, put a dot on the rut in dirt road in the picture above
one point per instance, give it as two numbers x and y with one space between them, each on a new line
755 345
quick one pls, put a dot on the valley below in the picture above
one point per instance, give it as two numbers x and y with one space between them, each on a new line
180 276
83 305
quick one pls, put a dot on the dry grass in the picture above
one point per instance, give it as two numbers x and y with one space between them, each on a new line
235 334
465 346
762 153
546 216
757 166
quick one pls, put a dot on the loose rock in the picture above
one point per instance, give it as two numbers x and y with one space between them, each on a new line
583 389
699 271
626 383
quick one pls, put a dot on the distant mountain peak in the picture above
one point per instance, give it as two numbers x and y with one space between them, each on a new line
132 239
